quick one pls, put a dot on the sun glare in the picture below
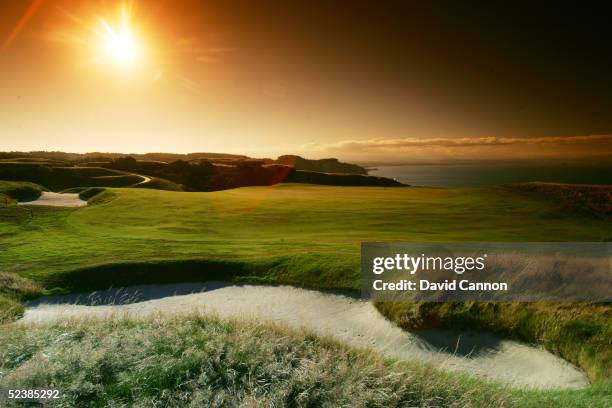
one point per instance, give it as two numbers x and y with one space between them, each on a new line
119 42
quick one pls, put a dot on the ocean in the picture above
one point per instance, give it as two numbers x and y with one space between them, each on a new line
474 175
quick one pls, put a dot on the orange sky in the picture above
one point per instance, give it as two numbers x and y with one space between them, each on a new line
267 79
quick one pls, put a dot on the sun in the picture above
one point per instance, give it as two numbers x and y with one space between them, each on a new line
120 46
119 42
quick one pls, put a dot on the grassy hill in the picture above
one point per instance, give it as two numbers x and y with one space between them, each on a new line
59 178
305 220
322 165
332 179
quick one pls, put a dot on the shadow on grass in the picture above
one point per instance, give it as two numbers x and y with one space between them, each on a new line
130 294
313 271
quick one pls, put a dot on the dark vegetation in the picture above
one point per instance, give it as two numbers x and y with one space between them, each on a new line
321 166
248 173
194 176
105 157
299 163
176 172
311 177
59 178
591 200
205 175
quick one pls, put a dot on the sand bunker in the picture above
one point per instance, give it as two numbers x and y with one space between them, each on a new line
347 319
145 179
57 200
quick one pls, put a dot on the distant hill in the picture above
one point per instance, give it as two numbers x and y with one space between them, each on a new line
171 171
169 157
331 165
105 156
343 179
320 166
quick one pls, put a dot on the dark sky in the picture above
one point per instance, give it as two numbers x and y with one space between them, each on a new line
534 68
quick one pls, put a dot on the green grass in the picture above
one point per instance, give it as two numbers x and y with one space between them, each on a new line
140 225
157 183
303 235
580 333
91 192
36 160
20 191
13 290
201 361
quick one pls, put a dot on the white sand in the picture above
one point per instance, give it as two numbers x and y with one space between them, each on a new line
57 200
350 320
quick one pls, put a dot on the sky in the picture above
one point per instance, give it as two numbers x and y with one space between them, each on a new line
362 81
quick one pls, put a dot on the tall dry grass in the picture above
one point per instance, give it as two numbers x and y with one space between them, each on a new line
203 361
13 290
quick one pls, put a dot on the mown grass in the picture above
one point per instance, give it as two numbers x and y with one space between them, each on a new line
202 361
140 225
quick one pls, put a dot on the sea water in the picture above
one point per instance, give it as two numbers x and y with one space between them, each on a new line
473 175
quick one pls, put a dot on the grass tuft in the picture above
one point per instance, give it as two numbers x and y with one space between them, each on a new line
202 361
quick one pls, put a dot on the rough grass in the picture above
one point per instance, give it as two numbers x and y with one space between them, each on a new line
13 290
6 201
10 309
202 361
580 333
590 200
20 191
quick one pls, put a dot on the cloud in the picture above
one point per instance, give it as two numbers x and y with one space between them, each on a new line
466 147
469 141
